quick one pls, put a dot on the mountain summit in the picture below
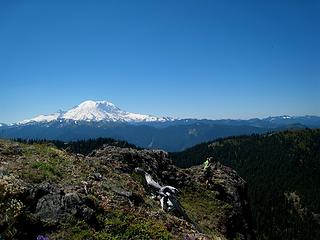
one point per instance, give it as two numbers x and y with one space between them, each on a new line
96 111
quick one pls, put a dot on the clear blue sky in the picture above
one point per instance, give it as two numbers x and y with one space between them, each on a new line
200 58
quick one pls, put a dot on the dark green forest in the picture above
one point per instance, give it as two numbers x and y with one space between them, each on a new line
283 174
81 146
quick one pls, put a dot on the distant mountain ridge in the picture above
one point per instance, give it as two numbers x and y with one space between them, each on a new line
97 111
93 119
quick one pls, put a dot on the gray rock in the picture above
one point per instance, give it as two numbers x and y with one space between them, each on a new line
71 200
57 206
50 207
134 198
87 214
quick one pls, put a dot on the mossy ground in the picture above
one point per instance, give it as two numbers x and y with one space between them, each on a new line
116 225
204 209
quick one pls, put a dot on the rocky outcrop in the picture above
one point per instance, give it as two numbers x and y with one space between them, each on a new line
51 193
231 189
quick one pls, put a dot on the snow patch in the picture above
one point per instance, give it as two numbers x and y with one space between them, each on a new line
43 118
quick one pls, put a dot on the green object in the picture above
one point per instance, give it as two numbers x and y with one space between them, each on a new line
206 164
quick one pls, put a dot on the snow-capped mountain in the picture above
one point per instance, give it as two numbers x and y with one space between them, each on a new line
95 111
276 118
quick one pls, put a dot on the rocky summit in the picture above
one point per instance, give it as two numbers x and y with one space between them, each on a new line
48 193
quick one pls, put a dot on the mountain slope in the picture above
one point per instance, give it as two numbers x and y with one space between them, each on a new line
49 192
283 174
170 138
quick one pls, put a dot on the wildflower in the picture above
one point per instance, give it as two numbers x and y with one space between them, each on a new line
40 237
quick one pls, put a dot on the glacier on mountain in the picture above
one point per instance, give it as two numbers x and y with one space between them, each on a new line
97 111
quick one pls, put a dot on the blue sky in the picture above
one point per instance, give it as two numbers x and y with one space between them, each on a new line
200 58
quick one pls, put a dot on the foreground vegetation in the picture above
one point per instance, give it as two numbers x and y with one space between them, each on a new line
54 193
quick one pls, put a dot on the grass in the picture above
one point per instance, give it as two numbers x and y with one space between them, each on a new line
117 225
43 162
131 226
204 209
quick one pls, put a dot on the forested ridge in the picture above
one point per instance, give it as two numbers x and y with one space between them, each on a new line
283 174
